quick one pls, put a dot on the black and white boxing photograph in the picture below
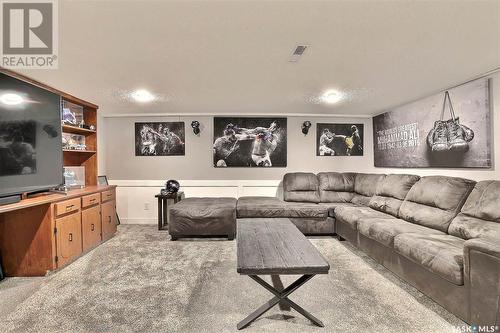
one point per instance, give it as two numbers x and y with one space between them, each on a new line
17 148
450 129
250 142
339 139
159 139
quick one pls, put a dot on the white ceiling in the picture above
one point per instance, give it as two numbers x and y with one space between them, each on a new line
231 56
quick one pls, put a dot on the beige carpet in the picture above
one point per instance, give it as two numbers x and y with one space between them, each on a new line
141 282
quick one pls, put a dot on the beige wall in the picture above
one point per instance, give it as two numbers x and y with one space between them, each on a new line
140 178
118 160
121 162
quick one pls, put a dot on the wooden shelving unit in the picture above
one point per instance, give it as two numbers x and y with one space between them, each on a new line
77 130
49 231
88 157
79 151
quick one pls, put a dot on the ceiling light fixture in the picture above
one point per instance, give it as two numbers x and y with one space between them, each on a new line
142 96
11 99
331 97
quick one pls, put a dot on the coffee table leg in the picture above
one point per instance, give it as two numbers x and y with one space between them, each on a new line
257 313
278 285
303 312
280 296
291 303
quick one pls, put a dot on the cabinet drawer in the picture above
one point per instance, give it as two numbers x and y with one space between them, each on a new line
90 200
107 195
67 206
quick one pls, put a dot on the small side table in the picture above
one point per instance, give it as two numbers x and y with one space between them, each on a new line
162 207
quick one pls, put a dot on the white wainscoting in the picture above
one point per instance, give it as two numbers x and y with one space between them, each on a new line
136 202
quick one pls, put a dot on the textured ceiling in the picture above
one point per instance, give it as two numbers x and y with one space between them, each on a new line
219 57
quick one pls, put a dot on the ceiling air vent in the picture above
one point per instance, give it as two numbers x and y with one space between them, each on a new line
298 52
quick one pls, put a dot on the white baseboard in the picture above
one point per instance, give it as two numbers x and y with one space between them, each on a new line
138 221
136 202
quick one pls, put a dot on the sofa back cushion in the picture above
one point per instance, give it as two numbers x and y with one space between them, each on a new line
435 200
480 215
365 186
301 187
336 186
391 192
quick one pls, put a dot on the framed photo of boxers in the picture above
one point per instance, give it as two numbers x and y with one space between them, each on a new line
159 139
249 142
339 139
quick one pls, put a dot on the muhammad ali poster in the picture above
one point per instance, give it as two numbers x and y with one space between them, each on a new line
451 129
159 139
249 142
339 139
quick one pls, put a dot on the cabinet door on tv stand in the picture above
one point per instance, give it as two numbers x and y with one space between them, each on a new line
68 238
108 215
91 227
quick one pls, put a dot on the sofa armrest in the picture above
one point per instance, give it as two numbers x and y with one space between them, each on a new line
482 275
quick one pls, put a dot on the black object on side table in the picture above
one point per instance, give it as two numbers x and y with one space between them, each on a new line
162 207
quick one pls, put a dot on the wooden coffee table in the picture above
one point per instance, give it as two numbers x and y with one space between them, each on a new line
274 246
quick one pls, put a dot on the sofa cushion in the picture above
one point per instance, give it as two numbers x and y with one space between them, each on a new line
301 187
360 200
391 192
365 186
383 230
353 214
203 216
435 200
331 206
204 207
469 227
335 186
480 215
440 254
274 207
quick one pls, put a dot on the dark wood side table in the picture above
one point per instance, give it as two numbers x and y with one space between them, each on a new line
162 207
1 269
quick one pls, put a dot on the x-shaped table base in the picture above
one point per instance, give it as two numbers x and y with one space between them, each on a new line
279 296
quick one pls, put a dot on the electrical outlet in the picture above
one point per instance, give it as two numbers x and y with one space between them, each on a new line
146 206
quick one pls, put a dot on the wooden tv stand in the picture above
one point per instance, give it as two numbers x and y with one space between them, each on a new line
47 232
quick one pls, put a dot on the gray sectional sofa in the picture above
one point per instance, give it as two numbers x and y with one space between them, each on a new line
441 234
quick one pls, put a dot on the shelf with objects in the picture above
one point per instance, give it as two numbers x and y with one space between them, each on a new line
79 126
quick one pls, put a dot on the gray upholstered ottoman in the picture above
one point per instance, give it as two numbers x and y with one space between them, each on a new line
203 217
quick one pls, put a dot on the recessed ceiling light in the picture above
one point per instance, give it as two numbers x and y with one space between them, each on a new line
331 97
11 99
142 96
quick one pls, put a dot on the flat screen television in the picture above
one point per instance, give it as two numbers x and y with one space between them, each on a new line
30 137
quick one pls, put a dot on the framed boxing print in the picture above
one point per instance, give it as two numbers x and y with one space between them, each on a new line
159 139
339 139
250 142
451 129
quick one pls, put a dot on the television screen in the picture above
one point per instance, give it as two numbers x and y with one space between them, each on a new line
30 137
